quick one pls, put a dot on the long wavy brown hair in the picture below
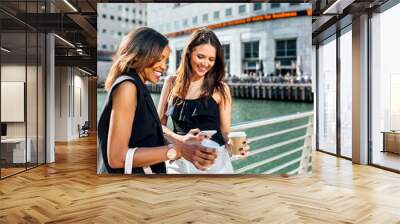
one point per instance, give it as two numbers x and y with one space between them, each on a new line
139 49
213 78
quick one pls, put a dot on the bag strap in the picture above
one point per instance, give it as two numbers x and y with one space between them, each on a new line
129 162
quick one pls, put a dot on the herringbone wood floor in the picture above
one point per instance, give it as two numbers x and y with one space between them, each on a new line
69 191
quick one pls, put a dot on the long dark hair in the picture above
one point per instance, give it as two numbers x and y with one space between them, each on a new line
213 79
139 49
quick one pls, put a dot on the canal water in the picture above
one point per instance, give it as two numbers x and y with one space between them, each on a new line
245 110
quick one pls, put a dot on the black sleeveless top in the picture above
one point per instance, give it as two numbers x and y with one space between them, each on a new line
197 113
147 131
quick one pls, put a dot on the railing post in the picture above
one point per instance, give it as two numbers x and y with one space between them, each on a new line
307 149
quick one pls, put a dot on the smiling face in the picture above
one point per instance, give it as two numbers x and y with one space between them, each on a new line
202 59
153 73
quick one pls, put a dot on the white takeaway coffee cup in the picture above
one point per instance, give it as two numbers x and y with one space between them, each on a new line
236 140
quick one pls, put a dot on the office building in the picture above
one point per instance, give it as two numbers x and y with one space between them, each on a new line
115 20
254 39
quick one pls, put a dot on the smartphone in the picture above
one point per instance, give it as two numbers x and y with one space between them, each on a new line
208 133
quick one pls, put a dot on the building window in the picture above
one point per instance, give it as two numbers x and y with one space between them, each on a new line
205 18
126 20
251 60
327 96
112 17
285 56
119 34
104 46
140 22
226 48
178 57
242 9
185 23
140 12
127 9
194 20
134 10
166 67
257 6
385 88
104 31
119 18
216 15
293 3
345 82
251 49
133 21
275 5
120 7
228 12
104 16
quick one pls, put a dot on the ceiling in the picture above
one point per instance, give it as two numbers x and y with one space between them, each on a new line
332 15
76 24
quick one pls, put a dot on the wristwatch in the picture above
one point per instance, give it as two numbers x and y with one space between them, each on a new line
171 152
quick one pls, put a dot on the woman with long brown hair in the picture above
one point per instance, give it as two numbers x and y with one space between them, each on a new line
129 129
196 98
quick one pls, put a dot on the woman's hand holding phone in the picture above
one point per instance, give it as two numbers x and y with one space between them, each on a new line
201 157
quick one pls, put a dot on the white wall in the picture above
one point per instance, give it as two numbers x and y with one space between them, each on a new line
71 94
15 72
80 110
33 126
61 103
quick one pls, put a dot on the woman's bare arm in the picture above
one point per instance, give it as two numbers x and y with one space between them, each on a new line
124 104
225 111
162 109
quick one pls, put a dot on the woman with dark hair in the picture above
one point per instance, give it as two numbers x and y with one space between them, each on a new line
129 130
196 98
